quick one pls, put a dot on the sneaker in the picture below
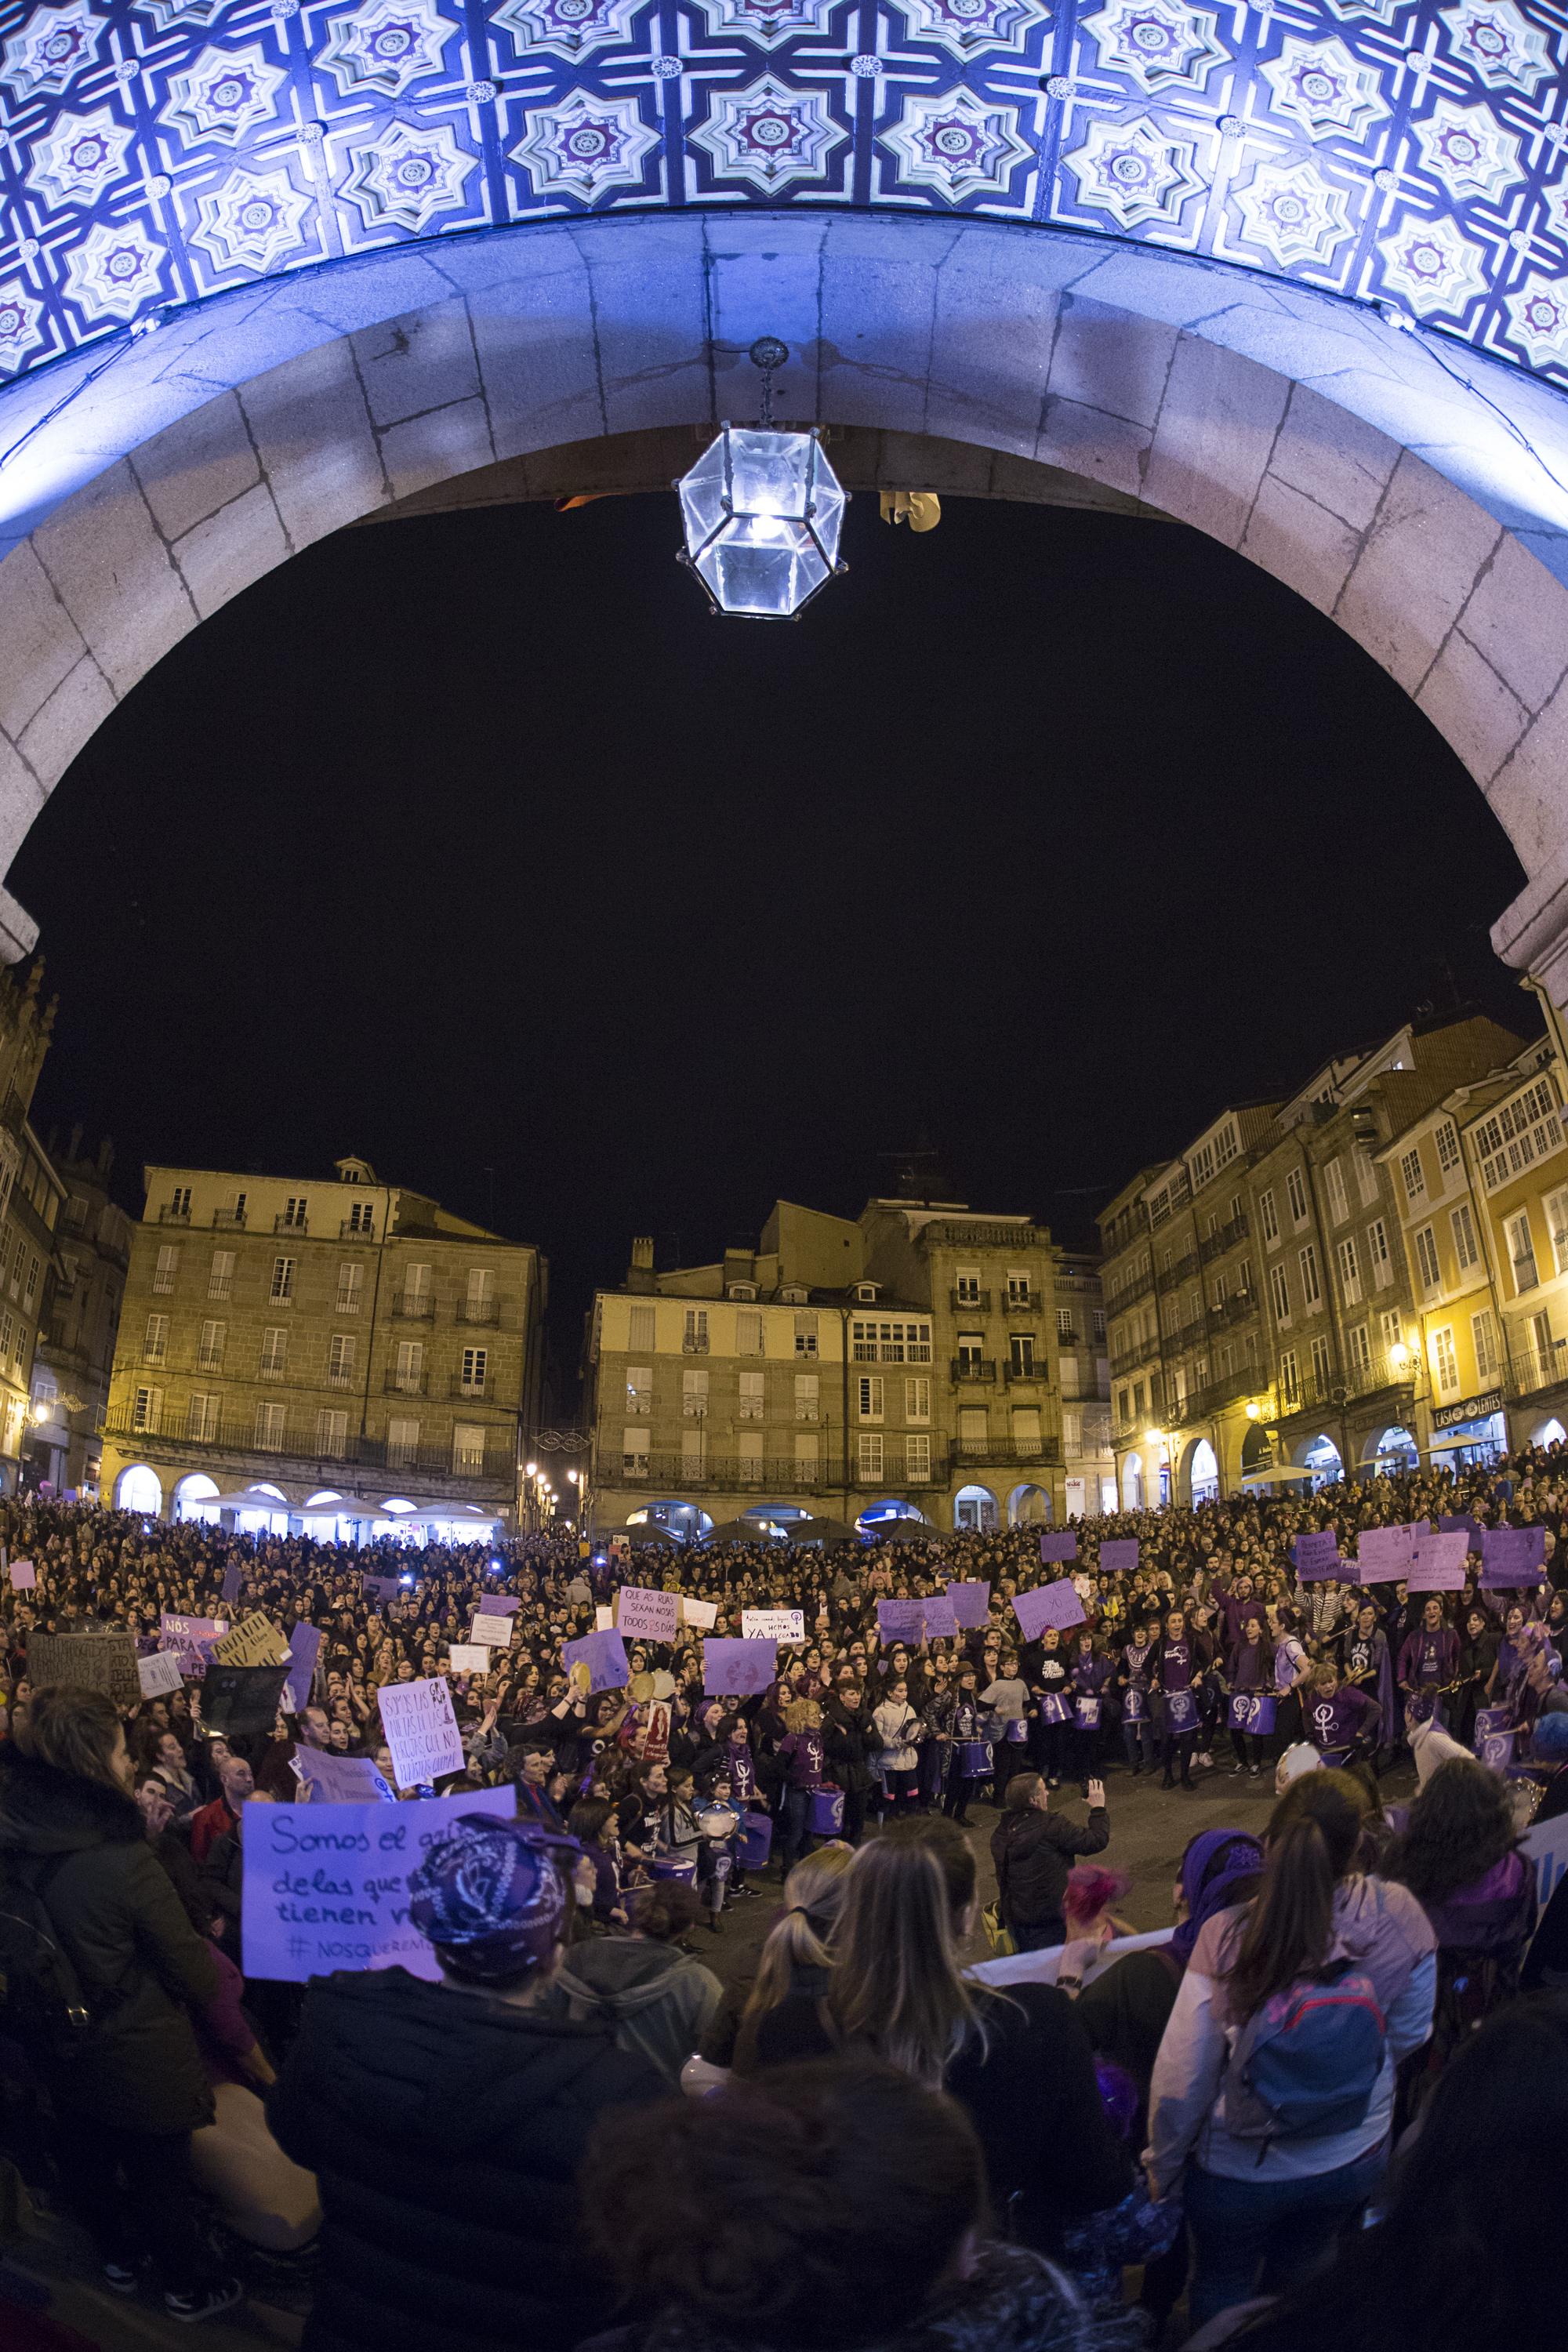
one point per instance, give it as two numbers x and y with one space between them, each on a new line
120 2276
1237 1770
1055 1783
207 2302
1255 1771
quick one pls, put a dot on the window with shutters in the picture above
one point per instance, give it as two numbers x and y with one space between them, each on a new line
748 1333
966 1286
362 1219
1322 1369
282 1291
1018 1288
1027 1437
1296 1193
807 1401
1447 1142
917 1460
1267 1216
271 1428
418 1289
805 1335
1021 1354
476 1371
917 1400
167 1267
693 1451
201 1419
694 1395
1391 1322
274 1360
1279 1292
220 1275
1521 1251
974 1429
634 1452
331 1433
1349 1270
210 1348
1557 1226
409 1367
805 1459
402 1442
351 1286
179 1204
342 1360
749 1456
1365 1177
1465 1253
469 1446
1377 1251
1335 1186
752 1398
640 1389
1410 1174
480 1295
694 1339
1311 1289
1290 1381
1065 1325
870 1391
1483 1336
640 1330
29 1294
1427 1263
1358 1348
970 1351
868 1455
146 1410
1444 1361
296 1210
155 1340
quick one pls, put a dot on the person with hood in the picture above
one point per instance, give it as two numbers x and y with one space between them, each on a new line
444 2123
658 2001
1032 1850
129 2099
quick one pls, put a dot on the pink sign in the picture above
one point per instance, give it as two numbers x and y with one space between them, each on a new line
1439 1562
24 1576
1048 1604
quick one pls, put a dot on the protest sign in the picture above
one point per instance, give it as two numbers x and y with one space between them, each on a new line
304 1646
237 1700
774 1624
326 1887
938 1619
192 1639
158 1673
1048 1604
899 1621
495 1632
1455 1521
379 1588
737 1669
603 1619
1546 1844
699 1614
647 1616
103 1662
1382 1554
1439 1564
254 1641
971 1603
1118 1558
601 1656
328 1779
1060 1543
24 1576
471 1657
499 1604
421 1730
1514 1556
231 1578
1316 1554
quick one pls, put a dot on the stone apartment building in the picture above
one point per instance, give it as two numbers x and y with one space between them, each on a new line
30 1201
907 1362
344 1343
76 1347
1088 1459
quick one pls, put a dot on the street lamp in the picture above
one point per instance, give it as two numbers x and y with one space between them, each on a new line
763 512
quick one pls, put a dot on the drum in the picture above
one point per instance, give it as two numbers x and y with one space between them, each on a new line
676 1865
1017 1732
1489 1721
1181 1713
718 1821
825 1815
1135 1706
1496 1748
1252 1711
1087 1712
756 1840
974 1760
1054 1707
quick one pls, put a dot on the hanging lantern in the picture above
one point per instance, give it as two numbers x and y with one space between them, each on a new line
763 512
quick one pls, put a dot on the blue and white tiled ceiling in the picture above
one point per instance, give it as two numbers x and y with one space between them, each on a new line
1414 152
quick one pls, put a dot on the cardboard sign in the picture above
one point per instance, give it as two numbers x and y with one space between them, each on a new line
1316 1554
938 1619
602 1656
774 1624
1514 1556
1439 1565
326 1886
494 1632
237 1700
471 1657
254 1641
1382 1554
738 1669
231 1581
643 1615
1060 1543
192 1641
421 1730
304 1647
899 1621
971 1604
159 1674
603 1619
24 1576
699 1615
328 1779
102 1662
1546 1844
1118 1558
499 1604
1048 1604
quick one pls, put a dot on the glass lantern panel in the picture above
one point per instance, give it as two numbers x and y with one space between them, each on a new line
702 497
769 472
767 573
828 504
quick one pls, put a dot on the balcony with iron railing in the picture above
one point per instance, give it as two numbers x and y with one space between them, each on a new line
481 1312
172 1214
1021 1302
970 1302
412 1384
235 1437
973 1368
228 1220
479 1391
1016 1373
286 1223
1224 1237
354 1228
1045 1454
1183 1271
694 1343
1531 1370
414 1307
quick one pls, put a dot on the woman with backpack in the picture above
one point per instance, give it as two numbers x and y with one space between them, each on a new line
1272 2098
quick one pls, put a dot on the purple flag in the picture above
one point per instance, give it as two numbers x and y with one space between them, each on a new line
938 1619
738 1669
1048 1604
1514 1556
1316 1554
1439 1562
498 1604
971 1603
231 1581
1118 1558
604 1653
899 1621
1059 1544
304 1642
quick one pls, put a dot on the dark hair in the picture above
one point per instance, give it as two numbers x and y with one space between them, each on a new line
1313 1833
954 1855
1460 1826
1022 1791
74 1730
1477 2195
587 1818
844 2191
665 1910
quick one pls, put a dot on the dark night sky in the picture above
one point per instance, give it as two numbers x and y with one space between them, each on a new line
474 843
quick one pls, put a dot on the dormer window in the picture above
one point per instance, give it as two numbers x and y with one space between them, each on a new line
743 1290
866 1292
792 1295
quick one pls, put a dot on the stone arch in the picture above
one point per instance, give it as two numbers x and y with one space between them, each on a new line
140 1488
1028 1503
1412 493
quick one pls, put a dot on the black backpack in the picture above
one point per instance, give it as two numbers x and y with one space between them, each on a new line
42 2004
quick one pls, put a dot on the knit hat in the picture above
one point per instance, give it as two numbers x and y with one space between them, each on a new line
1550 1745
490 1895
1218 1868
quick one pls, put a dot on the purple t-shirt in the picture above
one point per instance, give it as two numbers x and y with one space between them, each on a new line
1176 1666
1428 1658
804 1751
1332 1723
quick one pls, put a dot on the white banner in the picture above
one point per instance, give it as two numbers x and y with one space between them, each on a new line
1040 1968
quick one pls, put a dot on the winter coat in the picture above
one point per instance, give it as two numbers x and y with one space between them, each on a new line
657 2001
1033 1853
446 2129
82 1846
1491 1919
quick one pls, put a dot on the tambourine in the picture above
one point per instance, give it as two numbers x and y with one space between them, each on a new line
718 1821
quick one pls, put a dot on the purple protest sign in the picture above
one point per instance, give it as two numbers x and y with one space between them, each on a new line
1317 1555
1118 1558
1048 1604
1382 1554
1514 1556
1060 1543
602 1655
385 1588
304 1642
899 1621
24 1576
1461 1521
231 1581
938 1619
738 1669
1439 1562
971 1603
499 1604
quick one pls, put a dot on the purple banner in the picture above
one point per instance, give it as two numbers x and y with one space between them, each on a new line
304 1644
1514 1556
1048 1604
899 1621
971 1603
1460 1522
1439 1562
1317 1555
1059 1544
602 1656
938 1619
738 1669
1382 1554
1118 1558
499 1604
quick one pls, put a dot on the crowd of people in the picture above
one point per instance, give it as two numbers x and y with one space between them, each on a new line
581 2126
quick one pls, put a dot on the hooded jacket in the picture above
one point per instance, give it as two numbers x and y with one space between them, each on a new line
444 2130
82 1847
1491 1917
657 2001
1034 1852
